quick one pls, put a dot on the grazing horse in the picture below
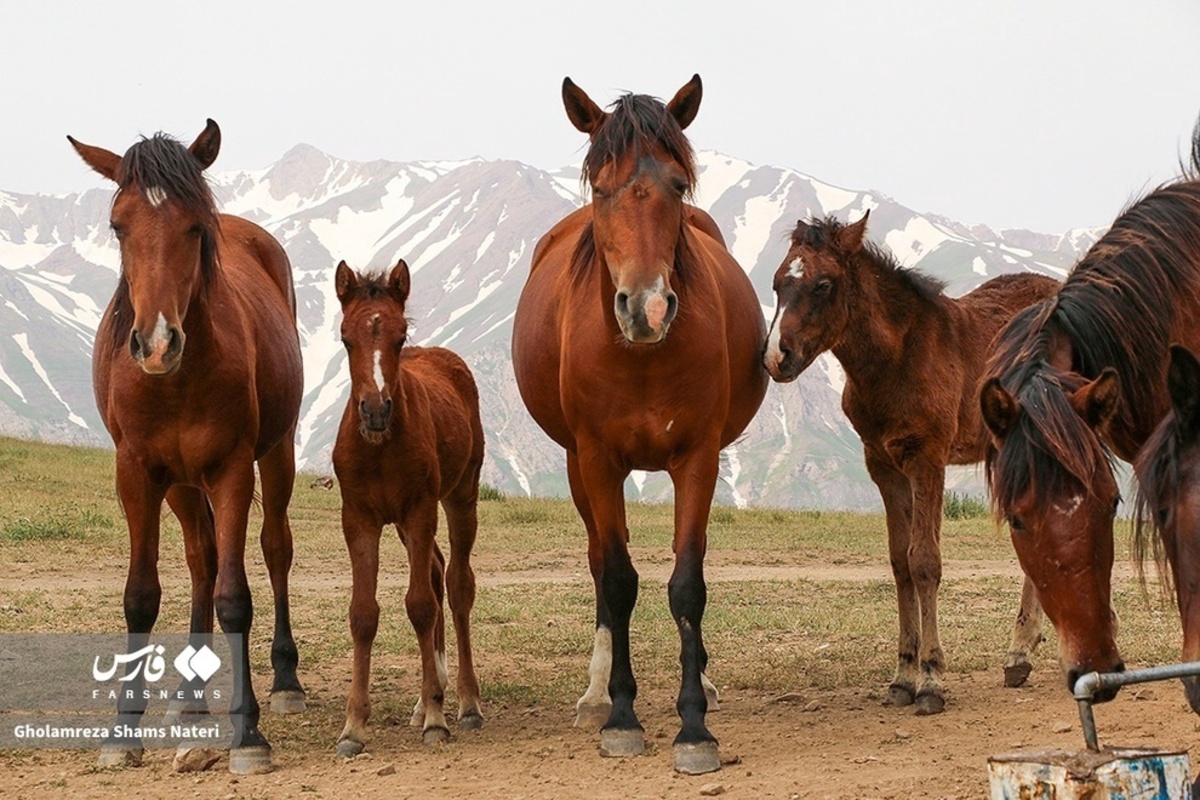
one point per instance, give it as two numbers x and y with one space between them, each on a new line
1168 502
912 358
636 345
410 437
1073 381
197 375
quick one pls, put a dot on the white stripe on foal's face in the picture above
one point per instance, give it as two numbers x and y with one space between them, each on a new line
774 354
379 371
796 268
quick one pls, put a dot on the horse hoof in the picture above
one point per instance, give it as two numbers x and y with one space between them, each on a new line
592 716
899 695
253 760
435 735
1016 674
289 701
470 720
119 755
617 743
930 703
697 759
348 748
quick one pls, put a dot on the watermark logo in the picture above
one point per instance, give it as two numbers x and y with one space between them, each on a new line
149 657
149 663
192 663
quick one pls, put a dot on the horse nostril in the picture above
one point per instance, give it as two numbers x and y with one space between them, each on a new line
362 408
137 345
174 343
622 303
672 307
387 407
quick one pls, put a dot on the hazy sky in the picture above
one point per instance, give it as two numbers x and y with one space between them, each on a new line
1045 114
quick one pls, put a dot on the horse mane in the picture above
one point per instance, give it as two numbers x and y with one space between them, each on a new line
821 234
639 121
1157 470
1116 306
162 162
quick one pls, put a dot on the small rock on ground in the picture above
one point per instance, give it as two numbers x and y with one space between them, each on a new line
712 789
194 759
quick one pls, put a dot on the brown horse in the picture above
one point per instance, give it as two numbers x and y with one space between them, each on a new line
636 346
410 436
1168 502
912 358
1076 379
197 375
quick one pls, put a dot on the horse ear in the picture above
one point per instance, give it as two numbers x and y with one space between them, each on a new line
686 102
850 238
102 161
400 280
1183 382
1000 409
585 115
207 145
344 280
1097 401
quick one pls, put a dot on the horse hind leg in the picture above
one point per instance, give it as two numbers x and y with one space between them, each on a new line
462 522
1026 636
277 469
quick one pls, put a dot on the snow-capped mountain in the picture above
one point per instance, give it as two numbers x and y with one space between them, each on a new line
467 230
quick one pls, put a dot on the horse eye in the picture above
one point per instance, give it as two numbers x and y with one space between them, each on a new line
349 345
1015 523
117 230
822 287
598 192
195 231
679 186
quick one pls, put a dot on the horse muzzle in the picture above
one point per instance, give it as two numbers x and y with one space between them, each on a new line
375 418
645 317
1103 695
162 353
782 365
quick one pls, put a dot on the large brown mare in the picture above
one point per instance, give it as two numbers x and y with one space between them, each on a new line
197 375
1167 520
636 345
410 436
912 358
1076 379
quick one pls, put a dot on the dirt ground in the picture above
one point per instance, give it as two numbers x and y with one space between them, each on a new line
840 743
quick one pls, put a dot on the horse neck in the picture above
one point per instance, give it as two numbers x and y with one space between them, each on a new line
883 310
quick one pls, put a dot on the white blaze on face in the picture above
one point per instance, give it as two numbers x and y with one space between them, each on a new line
774 354
379 371
796 268
160 330
156 196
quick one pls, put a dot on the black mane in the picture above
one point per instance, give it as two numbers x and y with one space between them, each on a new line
638 121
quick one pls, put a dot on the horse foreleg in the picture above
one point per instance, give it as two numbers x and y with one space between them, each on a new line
896 492
925 563
593 708
141 500
423 612
622 734
231 490
695 747
462 521
278 473
437 576
1026 636
362 542
200 545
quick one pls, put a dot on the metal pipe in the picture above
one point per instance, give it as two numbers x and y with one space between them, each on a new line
1087 685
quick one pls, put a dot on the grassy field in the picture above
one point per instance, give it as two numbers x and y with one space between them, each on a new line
63 547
